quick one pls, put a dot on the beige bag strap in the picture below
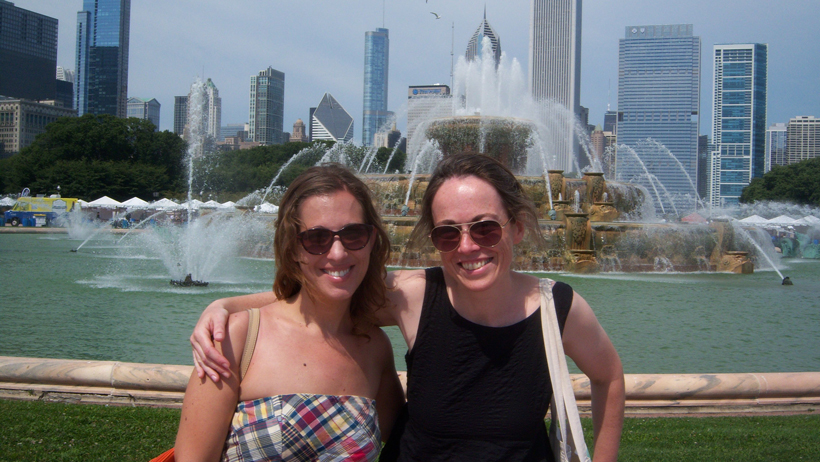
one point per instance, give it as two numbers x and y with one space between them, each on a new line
566 421
250 341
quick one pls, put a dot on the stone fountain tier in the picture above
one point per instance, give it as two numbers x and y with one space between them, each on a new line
613 201
502 138
577 245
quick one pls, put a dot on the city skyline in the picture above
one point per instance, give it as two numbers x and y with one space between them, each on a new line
329 58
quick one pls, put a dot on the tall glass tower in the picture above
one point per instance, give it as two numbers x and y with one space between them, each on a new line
267 113
28 53
555 68
738 120
376 60
658 117
101 81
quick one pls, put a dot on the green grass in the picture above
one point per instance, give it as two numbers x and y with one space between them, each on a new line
36 431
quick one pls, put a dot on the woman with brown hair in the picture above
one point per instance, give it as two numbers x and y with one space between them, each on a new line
478 384
311 376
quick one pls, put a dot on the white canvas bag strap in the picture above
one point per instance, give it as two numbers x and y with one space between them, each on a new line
564 407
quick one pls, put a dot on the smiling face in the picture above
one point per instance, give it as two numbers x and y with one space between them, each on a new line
469 199
338 273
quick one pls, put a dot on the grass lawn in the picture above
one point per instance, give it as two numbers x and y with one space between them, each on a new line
36 431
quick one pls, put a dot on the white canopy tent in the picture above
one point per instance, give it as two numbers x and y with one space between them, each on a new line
267 207
228 205
7 202
195 204
164 203
105 202
211 204
754 220
782 220
136 203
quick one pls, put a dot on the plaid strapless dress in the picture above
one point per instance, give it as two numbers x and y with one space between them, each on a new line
304 427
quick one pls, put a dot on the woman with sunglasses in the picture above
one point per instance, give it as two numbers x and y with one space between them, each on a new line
478 384
311 376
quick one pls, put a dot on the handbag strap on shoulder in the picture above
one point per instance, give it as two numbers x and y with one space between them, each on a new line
250 341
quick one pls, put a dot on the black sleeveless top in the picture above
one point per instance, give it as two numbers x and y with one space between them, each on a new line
475 392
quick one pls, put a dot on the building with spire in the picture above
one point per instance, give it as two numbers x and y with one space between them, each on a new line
474 46
330 121
101 74
376 63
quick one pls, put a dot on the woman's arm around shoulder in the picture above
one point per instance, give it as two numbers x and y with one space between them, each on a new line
586 342
390 397
211 328
208 406
405 292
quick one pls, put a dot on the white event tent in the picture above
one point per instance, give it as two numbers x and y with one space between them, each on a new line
782 220
7 202
164 203
754 220
105 202
135 203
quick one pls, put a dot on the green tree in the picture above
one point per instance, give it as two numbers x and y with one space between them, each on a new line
798 183
93 155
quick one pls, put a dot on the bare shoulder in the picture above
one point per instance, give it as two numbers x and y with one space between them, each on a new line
379 345
403 280
235 338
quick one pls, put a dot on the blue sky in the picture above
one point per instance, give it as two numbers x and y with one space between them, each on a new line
319 45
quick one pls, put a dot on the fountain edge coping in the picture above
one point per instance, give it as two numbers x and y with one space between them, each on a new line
160 385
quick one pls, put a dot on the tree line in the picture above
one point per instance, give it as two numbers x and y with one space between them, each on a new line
798 183
96 155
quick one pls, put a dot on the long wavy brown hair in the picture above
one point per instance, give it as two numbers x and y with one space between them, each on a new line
517 204
323 180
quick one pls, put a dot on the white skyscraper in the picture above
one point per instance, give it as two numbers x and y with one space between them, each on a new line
214 110
555 63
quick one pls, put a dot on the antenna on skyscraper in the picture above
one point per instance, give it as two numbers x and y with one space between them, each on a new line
452 47
608 94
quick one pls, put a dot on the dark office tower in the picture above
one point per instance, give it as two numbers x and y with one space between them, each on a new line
267 112
28 53
703 165
376 60
474 46
101 80
610 121
658 97
180 114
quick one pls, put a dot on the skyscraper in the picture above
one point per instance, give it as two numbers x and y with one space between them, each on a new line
776 146
803 138
101 80
28 53
658 98
267 108
376 61
738 120
180 114
425 102
330 121
214 102
144 108
474 46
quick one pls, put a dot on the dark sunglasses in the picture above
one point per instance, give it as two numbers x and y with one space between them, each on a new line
486 233
318 241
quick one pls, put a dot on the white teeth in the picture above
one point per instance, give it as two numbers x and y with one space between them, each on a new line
339 273
471 266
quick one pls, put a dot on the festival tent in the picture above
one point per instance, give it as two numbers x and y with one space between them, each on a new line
164 203
105 202
211 204
195 204
754 220
267 207
135 203
228 205
82 203
808 220
781 220
693 217
7 202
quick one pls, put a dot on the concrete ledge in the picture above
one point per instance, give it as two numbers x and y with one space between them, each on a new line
135 384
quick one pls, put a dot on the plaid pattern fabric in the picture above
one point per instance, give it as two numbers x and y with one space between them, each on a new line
304 427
